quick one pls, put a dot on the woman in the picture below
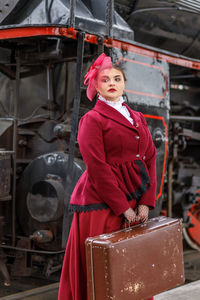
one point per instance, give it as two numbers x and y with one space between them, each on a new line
120 157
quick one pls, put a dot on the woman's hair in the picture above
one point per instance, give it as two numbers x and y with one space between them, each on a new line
120 68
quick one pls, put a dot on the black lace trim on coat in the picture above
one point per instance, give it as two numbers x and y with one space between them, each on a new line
145 185
145 182
88 207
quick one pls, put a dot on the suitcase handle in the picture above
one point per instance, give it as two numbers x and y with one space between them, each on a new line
127 225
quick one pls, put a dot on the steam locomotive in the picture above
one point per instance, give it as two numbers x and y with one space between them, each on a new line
45 50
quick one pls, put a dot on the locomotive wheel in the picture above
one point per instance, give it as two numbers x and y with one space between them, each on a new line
192 234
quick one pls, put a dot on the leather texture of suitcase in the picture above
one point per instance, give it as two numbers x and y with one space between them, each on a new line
137 262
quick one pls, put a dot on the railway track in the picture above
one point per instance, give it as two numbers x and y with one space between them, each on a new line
50 291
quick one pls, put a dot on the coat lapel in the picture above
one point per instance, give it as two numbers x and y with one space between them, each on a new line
112 113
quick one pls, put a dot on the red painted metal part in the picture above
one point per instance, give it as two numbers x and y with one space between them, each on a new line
21 32
165 155
169 58
194 214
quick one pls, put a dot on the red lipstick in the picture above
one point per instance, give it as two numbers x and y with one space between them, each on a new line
112 90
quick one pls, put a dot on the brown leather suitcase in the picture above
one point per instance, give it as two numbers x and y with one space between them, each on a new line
136 262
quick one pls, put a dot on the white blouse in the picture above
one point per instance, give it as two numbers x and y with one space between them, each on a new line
118 106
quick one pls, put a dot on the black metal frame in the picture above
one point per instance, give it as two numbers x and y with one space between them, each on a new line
16 102
72 13
77 97
76 104
80 54
109 18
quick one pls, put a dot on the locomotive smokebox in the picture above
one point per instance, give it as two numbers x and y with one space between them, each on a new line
43 193
46 200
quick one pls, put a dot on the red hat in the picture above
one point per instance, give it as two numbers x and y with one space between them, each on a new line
102 62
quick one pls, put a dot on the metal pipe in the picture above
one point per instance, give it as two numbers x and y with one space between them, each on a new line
189 4
170 183
72 13
77 98
184 118
48 84
74 126
109 17
50 94
183 76
65 101
7 119
100 45
150 9
16 103
31 250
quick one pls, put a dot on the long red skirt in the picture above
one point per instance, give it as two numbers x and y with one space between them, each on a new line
73 281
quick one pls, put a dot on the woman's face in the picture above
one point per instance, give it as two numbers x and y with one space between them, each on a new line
110 84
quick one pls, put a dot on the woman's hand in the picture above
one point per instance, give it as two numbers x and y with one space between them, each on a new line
143 213
130 215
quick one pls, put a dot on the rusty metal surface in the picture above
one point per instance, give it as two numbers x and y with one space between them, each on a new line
5 174
20 266
3 267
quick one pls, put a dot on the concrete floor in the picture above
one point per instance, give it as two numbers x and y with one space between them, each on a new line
190 291
48 292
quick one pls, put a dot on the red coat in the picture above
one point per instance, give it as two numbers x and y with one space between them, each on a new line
121 165
120 160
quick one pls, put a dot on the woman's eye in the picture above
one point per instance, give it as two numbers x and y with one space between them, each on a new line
105 80
118 79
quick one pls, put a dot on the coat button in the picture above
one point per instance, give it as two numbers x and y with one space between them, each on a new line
144 157
136 125
137 155
137 137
